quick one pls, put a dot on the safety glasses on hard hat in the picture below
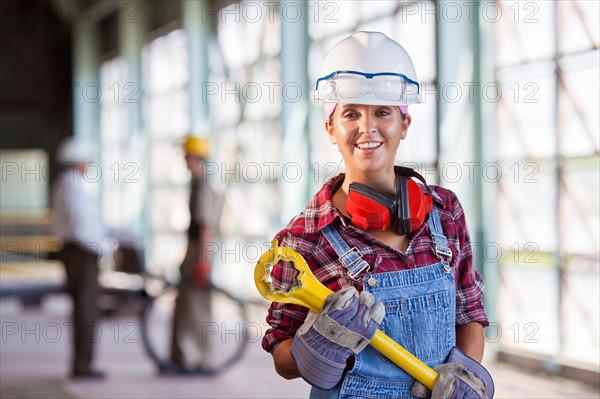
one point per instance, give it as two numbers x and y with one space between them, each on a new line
348 85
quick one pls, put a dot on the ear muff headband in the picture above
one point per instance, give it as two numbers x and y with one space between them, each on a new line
403 207
404 171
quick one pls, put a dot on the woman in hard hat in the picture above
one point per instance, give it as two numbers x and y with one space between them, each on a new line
373 229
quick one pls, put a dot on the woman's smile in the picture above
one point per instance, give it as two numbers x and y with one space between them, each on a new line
368 146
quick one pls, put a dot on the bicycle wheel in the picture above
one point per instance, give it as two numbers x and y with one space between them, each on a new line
209 347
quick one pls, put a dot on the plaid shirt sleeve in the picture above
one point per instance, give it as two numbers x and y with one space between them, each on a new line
469 283
284 319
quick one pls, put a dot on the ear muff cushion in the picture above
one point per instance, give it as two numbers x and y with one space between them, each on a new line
420 205
368 208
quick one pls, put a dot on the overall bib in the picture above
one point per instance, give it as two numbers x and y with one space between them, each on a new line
420 315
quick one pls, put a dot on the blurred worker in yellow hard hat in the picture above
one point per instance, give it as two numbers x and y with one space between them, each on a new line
196 151
193 305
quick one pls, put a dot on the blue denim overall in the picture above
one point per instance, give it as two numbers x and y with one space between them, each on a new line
420 308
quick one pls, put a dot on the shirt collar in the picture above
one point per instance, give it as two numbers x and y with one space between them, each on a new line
320 211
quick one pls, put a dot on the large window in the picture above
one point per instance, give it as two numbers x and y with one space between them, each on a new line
245 101
548 204
25 182
166 116
113 141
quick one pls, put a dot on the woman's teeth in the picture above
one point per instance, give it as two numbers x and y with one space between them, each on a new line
364 146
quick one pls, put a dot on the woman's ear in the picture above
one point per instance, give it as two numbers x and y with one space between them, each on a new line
405 125
329 129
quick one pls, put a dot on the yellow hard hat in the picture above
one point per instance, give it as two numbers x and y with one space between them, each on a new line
196 146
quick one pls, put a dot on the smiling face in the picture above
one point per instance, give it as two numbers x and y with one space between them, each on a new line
368 136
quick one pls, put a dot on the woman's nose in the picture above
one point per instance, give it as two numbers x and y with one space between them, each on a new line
367 124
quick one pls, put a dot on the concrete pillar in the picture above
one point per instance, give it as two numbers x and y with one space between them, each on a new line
488 194
197 27
466 137
86 83
295 155
131 42
132 30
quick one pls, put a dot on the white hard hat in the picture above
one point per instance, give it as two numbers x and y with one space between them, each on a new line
73 150
368 68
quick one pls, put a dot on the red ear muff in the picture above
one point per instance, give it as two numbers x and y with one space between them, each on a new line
413 205
368 208
420 205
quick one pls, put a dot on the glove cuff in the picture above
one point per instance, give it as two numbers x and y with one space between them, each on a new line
316 369
470 364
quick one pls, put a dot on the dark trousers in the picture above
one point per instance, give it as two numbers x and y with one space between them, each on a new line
81 266
193 310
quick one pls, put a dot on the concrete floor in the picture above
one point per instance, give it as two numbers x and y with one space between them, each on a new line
35 350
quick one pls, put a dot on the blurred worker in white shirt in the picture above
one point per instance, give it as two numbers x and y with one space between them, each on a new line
85 238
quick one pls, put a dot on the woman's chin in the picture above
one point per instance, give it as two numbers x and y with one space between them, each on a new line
371 166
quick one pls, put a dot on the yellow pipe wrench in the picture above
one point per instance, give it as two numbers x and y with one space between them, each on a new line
305 290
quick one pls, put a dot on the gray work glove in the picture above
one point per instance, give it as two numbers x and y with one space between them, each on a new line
345 326
460 377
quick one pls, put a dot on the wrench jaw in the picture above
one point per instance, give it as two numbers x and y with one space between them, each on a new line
278 286
297 284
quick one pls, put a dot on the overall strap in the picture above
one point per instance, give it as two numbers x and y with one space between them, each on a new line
350 257
440 242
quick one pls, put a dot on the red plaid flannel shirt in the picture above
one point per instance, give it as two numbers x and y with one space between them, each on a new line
303 235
